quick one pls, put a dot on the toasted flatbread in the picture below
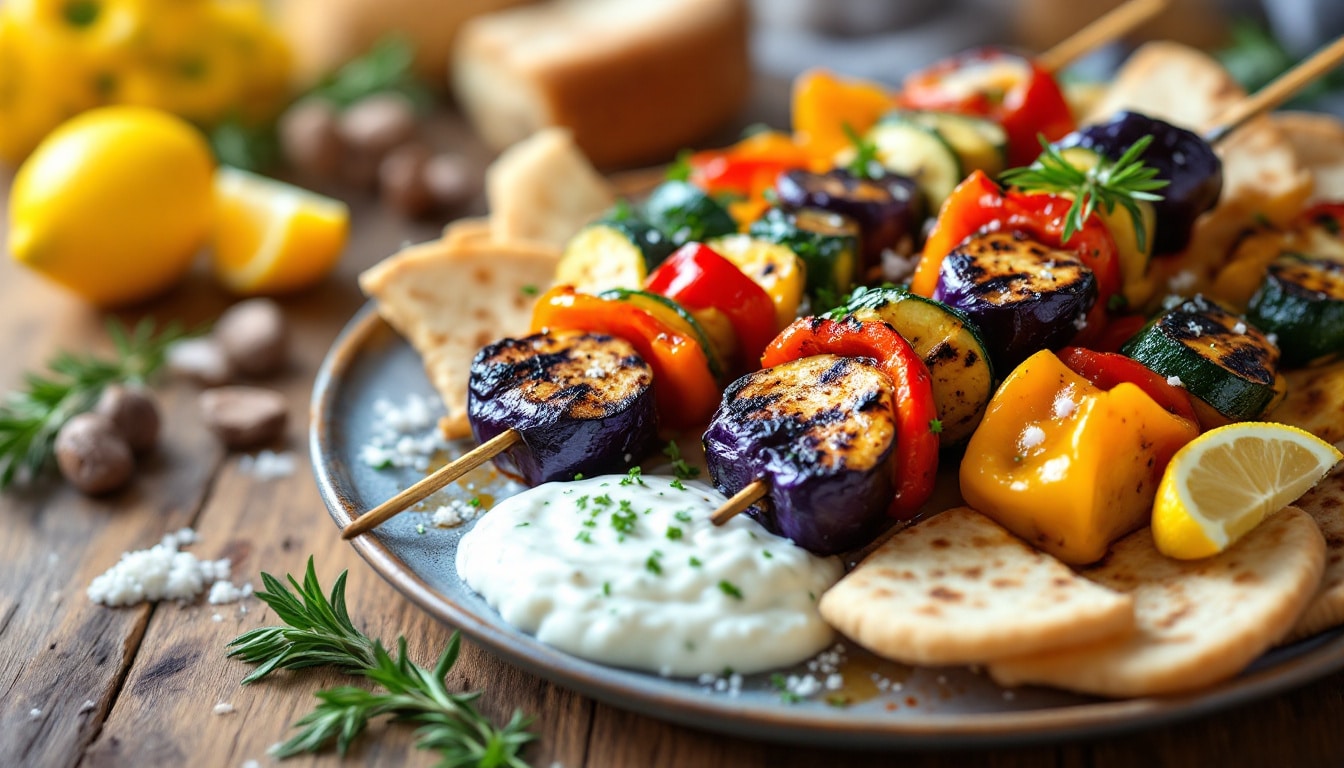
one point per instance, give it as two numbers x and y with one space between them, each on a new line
1318 140
1199 621
959 589
1325 503
451 300
473 231
544 189
1315 401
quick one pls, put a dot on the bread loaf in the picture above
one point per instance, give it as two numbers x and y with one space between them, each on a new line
634 80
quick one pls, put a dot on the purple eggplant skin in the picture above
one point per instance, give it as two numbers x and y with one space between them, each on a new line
887 207
582 402
1182 158
1023 296
821 432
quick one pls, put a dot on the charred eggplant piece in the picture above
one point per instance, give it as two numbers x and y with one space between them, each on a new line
1023 296
583 403
821 431
887 208
1182 158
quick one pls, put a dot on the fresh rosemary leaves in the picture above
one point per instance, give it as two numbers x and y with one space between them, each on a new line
319 632
1124 182
30 417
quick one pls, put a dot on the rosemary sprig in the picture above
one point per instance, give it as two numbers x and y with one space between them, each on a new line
1124 182
319 632
31 416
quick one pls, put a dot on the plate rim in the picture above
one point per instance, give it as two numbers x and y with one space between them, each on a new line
727 715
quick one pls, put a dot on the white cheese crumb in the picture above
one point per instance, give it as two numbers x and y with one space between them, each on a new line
802 686
1182 281
1064 405
223 708
455 513
596 372
1080 322
250 764
216 618
158 573
1175 381
835 681
267 465
1032 437
1273 338
34 713
1240 327
405 435
87 706
1055 469
1194 329
223 592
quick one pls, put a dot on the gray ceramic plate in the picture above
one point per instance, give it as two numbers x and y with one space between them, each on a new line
921 708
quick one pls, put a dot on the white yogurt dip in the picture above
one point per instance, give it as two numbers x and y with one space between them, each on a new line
630 571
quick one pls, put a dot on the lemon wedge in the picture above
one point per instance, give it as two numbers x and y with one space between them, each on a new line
272 237
1224 482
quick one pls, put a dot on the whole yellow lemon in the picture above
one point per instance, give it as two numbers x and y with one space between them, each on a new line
114 204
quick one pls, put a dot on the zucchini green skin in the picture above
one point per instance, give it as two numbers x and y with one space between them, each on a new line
951 347
684 213
1302 302
1199 342
828 244
919 151
701 338
617 252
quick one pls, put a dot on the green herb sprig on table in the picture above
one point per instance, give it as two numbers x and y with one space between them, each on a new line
31 416
1124 182
319 633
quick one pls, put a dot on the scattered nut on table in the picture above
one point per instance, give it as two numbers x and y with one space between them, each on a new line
376 124
242 417
401 180
309 138
92 456
133 414
254 337
449 179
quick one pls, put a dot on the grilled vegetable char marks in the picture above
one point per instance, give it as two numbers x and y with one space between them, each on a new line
577 375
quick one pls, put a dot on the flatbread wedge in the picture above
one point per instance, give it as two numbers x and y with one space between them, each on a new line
960 589
1199 621
1318 141
1315 402
450 298
1325 504
544 189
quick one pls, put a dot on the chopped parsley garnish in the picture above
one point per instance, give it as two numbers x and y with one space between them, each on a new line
676 483
624 520
606 589
935 426
673 533
604 500
680 468
695 562
652 565
633 476
474 502
530 290
420 528
837 700
730 589
767 554
589 523
683 516
523 524
585 537
781 684
578 475
680 169
581 502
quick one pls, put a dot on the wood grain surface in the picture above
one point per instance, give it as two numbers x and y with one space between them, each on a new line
153 674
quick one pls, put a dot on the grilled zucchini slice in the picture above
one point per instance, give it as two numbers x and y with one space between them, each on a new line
1226 363
684 213
1301 301
612 254
913 149
980 144
828 244
952 350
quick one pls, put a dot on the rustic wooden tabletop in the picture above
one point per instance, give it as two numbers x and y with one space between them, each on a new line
153 674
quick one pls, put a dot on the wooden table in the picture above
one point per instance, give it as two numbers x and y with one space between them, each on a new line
154 673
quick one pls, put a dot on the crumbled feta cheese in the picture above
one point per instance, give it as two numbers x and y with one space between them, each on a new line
1273 338
1240 327
158 573
1032 437
802 685
223 592
1064 405
223 708
1183 281
1175 381
250 764
835 681
1055 469
34 713
1194 329
596 372
1080 322
267 465
1171 300
405 435
87 706
455 513
215 617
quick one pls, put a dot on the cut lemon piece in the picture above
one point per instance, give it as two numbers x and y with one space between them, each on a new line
272 237
1224 482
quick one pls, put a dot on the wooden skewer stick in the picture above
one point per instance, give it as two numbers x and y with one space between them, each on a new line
1116 23
1282 89
752 493
434 482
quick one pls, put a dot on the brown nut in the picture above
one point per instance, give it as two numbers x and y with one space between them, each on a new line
242 417
92 456
254 337
376 124
200 359
133 415
309 139
401 180
449 179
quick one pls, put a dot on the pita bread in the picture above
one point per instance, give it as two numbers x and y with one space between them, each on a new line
449 300
473 231
1325 504
544 189
1199 621
959 589
1318 141
1315 402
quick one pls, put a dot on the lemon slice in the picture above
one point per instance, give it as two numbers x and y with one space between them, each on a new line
1224 482
272 237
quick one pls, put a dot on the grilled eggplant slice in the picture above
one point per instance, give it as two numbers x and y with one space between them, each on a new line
1302 302
1227 364
888 209
821 431
828 244
583 403
1023 296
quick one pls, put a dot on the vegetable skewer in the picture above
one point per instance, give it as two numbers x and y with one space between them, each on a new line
1102 30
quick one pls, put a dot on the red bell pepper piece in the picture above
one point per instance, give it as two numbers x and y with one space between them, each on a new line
1107 369
978 205
1328 215
698 278
916 440
1117 332
747 169
683 384
1012 90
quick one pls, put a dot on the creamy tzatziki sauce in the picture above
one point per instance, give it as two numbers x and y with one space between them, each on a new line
629 571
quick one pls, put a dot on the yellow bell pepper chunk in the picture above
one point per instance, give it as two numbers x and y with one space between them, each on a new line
1065 465
824 104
